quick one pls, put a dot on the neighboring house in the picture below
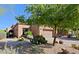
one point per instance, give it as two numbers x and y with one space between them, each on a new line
18 30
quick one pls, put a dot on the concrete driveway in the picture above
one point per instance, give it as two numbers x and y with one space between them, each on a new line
66 40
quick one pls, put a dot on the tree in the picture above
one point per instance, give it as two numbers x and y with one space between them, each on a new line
21 19
36 11
54 16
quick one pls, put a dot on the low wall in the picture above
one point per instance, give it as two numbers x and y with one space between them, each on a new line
2 36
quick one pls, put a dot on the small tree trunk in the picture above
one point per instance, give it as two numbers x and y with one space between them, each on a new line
55 34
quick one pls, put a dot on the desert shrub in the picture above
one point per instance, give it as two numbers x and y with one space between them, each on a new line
38 40
78 47
21 39
75 46
60 42
64 51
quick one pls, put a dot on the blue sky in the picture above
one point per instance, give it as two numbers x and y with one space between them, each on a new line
9 12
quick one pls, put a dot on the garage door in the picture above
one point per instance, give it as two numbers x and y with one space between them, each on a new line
47 34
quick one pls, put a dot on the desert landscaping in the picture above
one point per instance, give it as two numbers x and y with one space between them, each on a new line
13 46
40 29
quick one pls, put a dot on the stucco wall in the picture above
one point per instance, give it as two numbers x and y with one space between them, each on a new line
36 30
2 35
15 31
20 29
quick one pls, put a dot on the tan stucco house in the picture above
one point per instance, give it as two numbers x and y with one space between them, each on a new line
18 30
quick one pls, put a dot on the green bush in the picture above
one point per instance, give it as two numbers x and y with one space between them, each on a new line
28 33
21 39
38 40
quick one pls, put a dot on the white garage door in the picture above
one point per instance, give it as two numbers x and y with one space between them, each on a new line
47 34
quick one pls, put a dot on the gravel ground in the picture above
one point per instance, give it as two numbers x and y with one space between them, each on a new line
9 46
66 45
57 48
48 49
